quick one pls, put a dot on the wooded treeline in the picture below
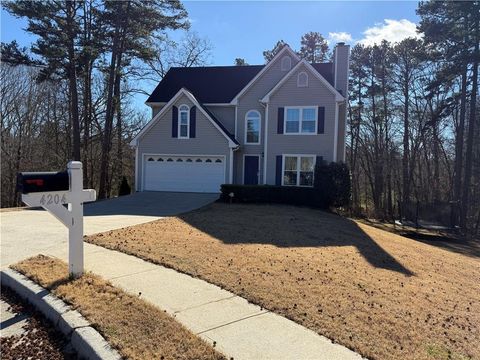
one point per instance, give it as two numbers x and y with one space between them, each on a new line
414 141
70 96
413 134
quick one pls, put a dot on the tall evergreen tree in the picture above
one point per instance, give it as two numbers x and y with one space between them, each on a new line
452 32
314 47
269 54
131 26
57 26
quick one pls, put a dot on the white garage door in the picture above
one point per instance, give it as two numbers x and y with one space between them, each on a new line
184 173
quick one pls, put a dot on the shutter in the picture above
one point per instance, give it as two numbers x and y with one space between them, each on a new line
280 121
174 122
193 121
278 173
321 120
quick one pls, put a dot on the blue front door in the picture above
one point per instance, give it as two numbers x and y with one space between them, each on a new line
251 170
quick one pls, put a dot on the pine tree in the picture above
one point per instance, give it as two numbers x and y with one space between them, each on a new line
131 25
314 47
56 23
270 54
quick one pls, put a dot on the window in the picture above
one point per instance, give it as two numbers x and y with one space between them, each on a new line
286 63
150 159
302 79
252 127
300 120
183 121
159 159
298 170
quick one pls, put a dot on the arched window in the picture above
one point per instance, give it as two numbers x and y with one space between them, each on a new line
159 159
286 63
302 79
208 160
169 160
189 160
198 160
183 121
150 159
179 160
218 161
252 127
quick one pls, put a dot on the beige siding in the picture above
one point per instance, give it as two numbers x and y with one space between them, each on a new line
251 101
316 94
226 115
341 65
341 132
156 109
158 140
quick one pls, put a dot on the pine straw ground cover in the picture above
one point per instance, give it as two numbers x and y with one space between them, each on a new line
383 295
135 328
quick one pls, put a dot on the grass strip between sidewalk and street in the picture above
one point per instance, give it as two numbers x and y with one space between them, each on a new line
137 329
380 294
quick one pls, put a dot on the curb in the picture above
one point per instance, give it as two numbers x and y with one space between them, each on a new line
88 343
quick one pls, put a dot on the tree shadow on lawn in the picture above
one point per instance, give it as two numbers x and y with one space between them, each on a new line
288 227
445 240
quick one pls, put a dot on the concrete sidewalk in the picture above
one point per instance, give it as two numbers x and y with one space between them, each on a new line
240 330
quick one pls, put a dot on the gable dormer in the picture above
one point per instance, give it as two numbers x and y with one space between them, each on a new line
270 75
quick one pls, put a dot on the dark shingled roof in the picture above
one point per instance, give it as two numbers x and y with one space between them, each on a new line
215 84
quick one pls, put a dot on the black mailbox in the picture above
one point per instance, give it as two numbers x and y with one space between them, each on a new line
29 182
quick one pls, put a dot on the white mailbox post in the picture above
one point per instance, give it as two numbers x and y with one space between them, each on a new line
72 217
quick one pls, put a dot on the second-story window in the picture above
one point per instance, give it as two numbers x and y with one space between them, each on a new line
183 121
300 120
252 127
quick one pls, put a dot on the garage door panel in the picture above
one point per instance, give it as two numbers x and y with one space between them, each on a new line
184 176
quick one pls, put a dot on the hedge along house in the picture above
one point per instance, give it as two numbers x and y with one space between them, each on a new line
260 124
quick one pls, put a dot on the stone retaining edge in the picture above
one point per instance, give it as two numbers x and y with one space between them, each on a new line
88 343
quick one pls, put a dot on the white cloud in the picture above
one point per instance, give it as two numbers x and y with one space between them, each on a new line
334 37
391 30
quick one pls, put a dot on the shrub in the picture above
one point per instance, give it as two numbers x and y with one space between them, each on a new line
291 195
331 188
334 180
124 188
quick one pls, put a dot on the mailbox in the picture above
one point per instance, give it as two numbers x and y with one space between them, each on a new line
32 182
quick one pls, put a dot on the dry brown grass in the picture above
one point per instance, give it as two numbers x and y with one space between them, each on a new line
383 295
137 329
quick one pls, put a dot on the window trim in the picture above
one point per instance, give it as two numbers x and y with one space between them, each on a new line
180 121
299 157
259 128
300 120
306 79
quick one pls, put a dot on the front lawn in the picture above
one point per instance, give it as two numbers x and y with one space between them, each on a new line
137 329
383 295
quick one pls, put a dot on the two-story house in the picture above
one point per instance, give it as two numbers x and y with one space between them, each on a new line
260 124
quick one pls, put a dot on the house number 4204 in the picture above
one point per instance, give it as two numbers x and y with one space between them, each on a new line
53 199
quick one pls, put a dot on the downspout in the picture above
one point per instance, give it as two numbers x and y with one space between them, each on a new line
136 168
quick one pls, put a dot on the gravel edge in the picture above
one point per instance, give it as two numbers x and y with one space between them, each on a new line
88 343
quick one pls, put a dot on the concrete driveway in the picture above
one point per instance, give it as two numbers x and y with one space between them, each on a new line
29 232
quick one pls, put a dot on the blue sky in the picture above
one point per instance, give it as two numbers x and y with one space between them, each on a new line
246 28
